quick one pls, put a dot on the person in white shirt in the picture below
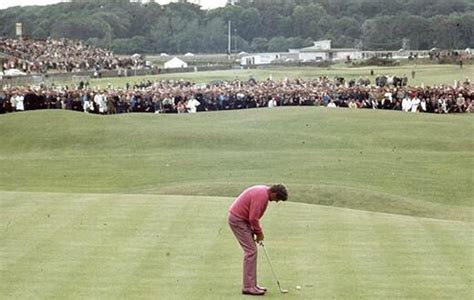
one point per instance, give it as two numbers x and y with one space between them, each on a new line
192 105
272 103
13 101
19 104
389 96
423 104
415 102
101 102
406 104
331 104
443 106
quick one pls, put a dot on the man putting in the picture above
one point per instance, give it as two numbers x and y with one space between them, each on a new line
244 220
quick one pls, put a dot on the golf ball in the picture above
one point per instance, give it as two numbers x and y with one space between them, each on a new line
298 287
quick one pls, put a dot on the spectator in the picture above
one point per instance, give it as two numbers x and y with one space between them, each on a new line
40 56
164 96
192 105
460 104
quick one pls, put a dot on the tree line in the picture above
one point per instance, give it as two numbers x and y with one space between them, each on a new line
257 26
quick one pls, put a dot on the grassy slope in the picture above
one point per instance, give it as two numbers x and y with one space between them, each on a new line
371 160
425 74
110 246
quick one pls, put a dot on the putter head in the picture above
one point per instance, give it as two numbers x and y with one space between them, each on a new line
283 291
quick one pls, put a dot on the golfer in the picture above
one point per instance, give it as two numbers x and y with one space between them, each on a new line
244 220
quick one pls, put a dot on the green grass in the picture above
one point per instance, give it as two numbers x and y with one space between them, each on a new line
134 206
109 246
425 74
371 160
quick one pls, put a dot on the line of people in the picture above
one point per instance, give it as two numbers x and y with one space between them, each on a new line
170 96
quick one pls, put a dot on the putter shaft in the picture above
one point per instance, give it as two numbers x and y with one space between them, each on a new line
273 270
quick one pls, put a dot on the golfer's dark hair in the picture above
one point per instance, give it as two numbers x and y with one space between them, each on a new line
280 190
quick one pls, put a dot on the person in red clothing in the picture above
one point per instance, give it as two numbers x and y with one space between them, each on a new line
244 220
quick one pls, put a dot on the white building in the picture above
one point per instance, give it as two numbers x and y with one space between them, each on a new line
267 58
175 63
322 51
259 59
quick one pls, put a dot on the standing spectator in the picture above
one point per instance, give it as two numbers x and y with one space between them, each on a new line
423 104
101 101
19 104
111 109
85 101
460 105
415 103
157 103
192 105
3 98
272 103
181 108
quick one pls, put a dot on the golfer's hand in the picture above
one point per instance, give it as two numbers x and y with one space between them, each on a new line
259 238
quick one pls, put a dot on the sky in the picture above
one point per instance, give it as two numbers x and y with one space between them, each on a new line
9 3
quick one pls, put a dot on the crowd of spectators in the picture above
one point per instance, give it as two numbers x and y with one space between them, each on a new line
170 96
41 56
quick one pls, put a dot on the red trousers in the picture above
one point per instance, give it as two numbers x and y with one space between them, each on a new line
244 234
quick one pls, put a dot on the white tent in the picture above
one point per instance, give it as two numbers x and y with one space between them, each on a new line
189 54
175 63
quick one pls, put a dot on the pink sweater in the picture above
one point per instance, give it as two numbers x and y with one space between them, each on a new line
250 206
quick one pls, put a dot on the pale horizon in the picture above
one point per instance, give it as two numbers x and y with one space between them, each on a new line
206 4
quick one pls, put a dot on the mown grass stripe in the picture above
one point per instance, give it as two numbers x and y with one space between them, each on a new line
169 260
100 262
460 260
329 252
43 258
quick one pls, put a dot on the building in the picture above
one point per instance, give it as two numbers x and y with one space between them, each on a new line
322 51
258 59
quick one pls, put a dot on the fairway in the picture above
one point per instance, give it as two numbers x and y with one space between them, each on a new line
425 75
111 246
134 205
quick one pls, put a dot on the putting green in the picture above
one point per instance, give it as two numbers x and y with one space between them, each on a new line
109 246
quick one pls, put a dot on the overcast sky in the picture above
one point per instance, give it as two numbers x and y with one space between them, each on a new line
9 3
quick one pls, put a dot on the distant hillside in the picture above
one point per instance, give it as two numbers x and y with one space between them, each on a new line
259 25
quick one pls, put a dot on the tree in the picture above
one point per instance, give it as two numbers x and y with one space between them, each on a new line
249 22
408 26
305 20
378 33
266 24
80 28
259 44
278 44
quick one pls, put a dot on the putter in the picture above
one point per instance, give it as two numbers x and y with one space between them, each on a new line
283 291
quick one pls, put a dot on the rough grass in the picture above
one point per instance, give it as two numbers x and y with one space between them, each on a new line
385 161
